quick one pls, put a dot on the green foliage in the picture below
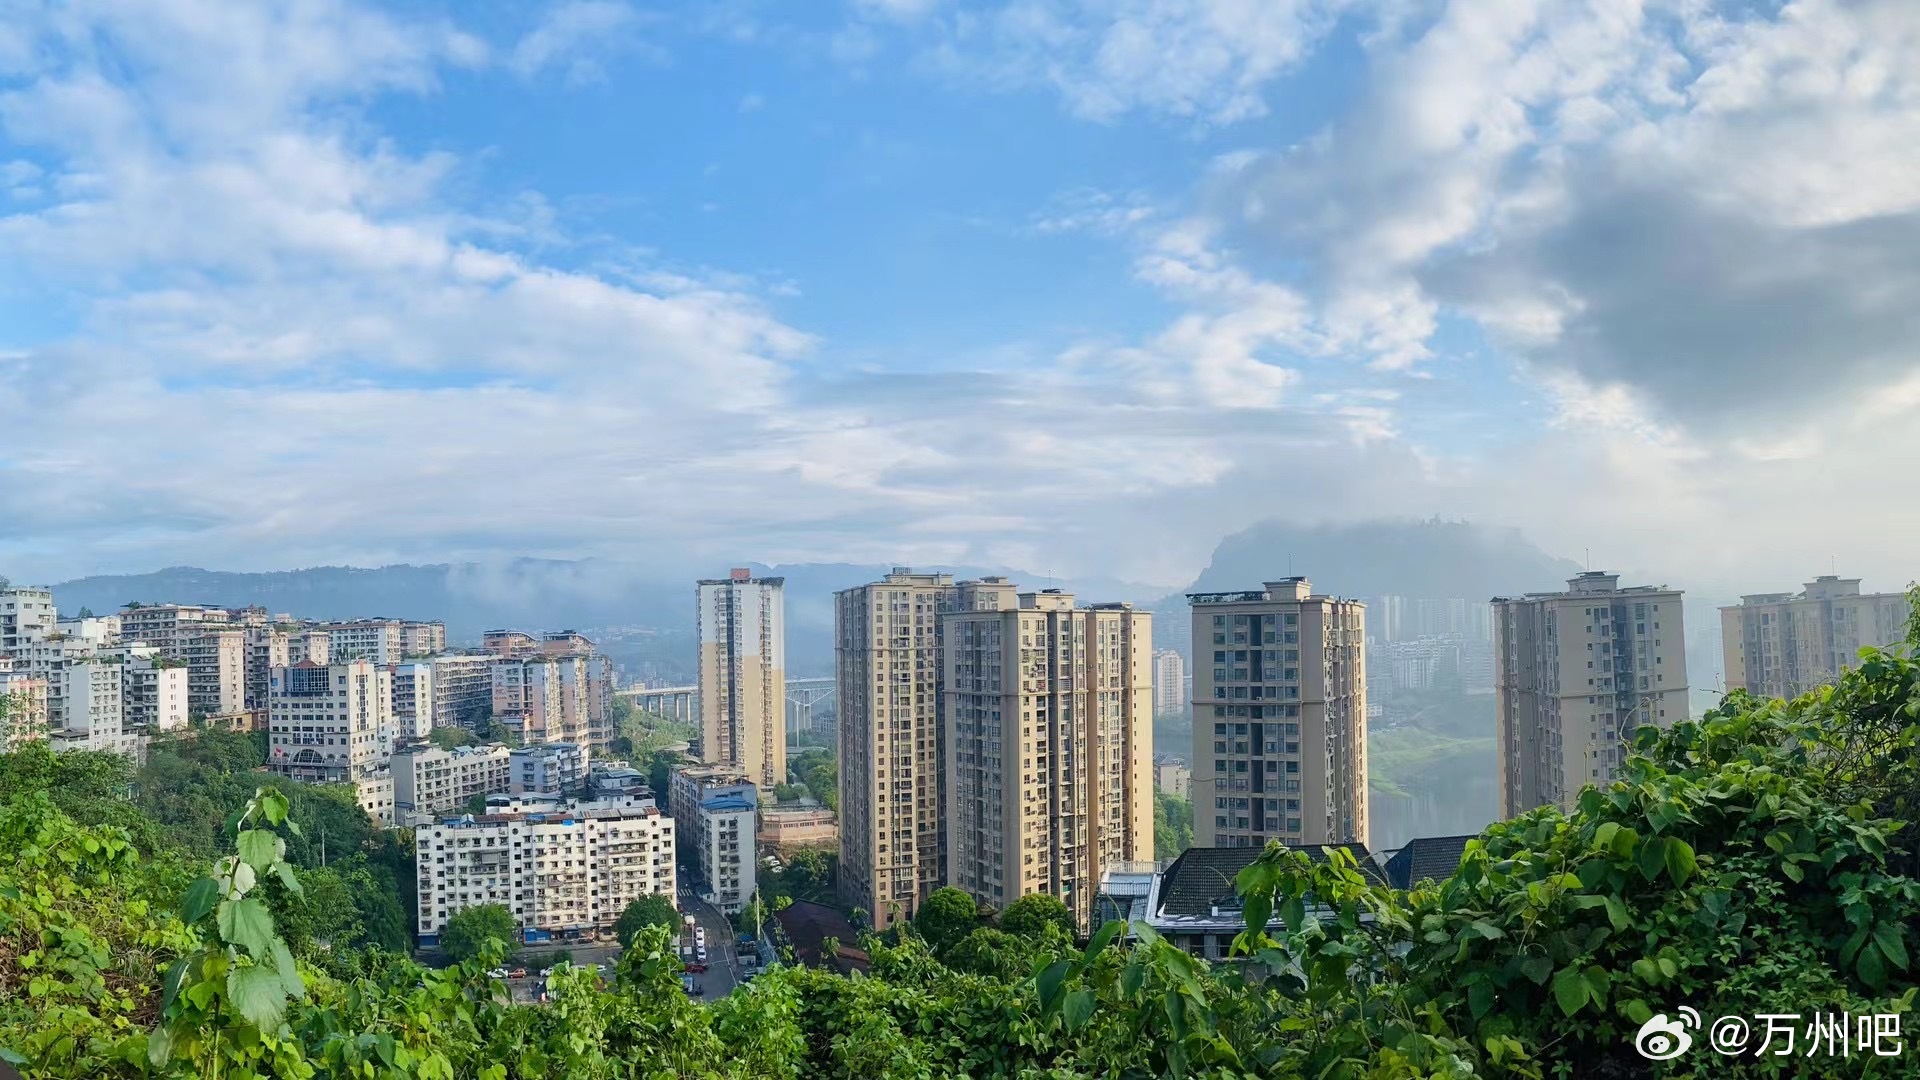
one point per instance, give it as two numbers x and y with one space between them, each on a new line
451 738
649 910
1754 861
1032 916
948 915
469 931
1172 825
818 771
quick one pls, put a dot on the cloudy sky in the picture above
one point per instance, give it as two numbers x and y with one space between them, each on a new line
1067 284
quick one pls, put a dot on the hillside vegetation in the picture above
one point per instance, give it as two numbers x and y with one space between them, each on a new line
1758 860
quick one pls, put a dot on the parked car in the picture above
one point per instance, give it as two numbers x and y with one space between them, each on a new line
497 973
700 953
517 973
697 966
545 971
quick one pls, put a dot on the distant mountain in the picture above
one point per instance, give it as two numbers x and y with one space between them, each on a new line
534 594
1415 559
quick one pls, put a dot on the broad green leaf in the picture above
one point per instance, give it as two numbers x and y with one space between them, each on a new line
1603 836
259 848
1617 913
170 986
1637 1011
1653 857
1646 971
1050 981
287 878
1077 1009
1570 990
259 995
1668 967
160 1046
1487 930
1480 999
201 897
1887 936
1680 860
1103 938
1537 968
289 971
274 806
1871 966
246 923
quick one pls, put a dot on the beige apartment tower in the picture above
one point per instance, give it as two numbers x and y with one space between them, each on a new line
1279 717
1782 645
1575 673
1049 746
887 656
743 683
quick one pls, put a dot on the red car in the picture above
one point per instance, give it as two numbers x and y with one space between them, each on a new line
697 967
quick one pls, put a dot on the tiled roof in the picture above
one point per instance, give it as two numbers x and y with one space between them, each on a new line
1202 878
1427 858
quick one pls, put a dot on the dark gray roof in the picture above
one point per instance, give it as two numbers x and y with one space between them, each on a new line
1427 858
1202 877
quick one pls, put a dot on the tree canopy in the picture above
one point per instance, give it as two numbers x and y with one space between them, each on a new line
948 915
649 910
470 929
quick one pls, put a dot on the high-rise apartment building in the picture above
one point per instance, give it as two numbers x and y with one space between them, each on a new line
23 705
891 745
268 647
550 769
1169 683
1575 673
742 665
330 723
1279 717
462 690
216 671
509 643
569 869
153 690
1785 644
1049 747
422 639
413 707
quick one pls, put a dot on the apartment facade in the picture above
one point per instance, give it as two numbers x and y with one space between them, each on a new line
1279 717
1782 645
549 769
377 640
1575 673
423 639
887 675
462 690
172 627
330 723
413 699
511 644
563 872
726 843
431 781
216 671
742 675
26 615
1169 683
153 690
1049 747
24 695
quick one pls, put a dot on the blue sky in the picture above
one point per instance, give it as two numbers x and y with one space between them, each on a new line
1083 284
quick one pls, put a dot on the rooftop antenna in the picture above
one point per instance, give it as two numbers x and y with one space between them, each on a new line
1589 562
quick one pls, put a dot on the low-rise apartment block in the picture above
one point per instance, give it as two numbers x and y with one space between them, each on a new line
429 780
376 640
567 872
548 769
413 706
216 672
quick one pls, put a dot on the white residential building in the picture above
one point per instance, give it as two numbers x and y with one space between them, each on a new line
1785 644
171 626
423 639
26 615
216 672
24 717
153 690
377 640
331 723
1575 673
430 781
564 872
1169 683
726 842
413 699
549 769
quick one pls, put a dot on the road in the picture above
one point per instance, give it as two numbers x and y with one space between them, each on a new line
723 967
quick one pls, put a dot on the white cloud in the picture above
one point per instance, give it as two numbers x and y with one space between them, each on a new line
577 36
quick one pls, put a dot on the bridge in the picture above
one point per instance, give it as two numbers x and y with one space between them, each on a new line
802 697
680 703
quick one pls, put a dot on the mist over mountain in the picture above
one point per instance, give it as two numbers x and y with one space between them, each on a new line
1432 558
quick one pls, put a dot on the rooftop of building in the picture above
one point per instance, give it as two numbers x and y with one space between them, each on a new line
808 925
1426 858
1200 881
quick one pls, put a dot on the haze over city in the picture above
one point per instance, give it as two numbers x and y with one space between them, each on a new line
1070 288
